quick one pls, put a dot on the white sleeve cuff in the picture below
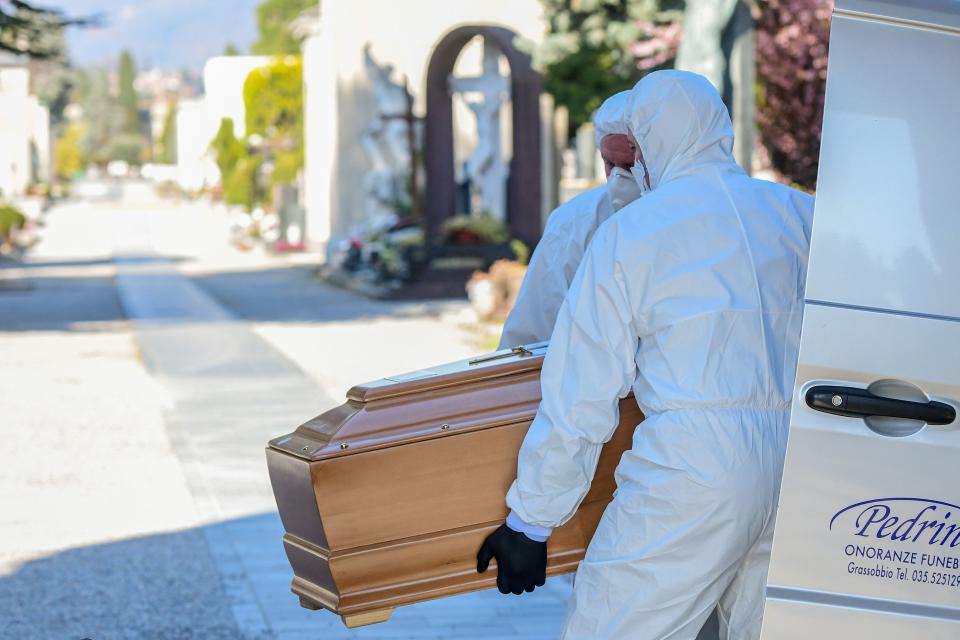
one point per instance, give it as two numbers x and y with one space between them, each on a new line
532 531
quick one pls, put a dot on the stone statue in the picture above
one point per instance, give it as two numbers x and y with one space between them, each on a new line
386 143
718 43
485 167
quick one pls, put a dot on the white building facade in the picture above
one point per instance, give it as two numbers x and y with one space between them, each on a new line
199 119
24 133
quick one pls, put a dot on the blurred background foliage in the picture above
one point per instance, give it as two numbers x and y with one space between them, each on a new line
595 48
238 167
241 186
168 136
589 50
272 153
227 149
36 31
792 46
128 144
273 26
68 159
273 99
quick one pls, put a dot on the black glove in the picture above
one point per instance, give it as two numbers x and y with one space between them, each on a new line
521 562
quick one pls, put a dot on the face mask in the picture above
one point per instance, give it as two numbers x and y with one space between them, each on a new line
622 189
641 176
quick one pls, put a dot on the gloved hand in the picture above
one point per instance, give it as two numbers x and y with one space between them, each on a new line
521 562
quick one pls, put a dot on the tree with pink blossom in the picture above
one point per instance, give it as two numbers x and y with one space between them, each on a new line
595 48
792 45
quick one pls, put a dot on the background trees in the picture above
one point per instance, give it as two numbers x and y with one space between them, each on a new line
272 152
273 99
792 47
35 31
68 154
168 136
591 48
127 143
594 48
99 114
227 149
273 25
128 95
238 167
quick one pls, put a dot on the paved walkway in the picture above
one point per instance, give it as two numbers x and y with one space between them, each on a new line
141 377
99 533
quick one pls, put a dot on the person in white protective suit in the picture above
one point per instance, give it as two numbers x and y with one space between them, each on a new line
691 297
569 230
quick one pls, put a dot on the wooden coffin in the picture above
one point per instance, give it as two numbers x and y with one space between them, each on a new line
386 499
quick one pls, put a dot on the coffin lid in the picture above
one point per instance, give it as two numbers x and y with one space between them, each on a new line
356 426
497 364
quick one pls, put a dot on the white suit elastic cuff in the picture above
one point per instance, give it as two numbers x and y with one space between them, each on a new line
532 531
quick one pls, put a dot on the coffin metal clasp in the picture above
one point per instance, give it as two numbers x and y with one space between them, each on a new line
515 351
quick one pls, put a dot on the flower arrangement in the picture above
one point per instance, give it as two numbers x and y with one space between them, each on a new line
482 228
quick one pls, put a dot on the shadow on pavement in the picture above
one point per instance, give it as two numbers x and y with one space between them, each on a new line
59 303
295 294
67 295
35 265
230 580
160 586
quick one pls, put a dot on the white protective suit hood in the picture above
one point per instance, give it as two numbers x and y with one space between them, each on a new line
552 267
611 118
681 124
565 238
691 298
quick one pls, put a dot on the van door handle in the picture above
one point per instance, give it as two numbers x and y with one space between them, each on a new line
860 403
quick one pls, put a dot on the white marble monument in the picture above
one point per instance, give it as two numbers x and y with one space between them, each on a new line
486 95
385 141
341 102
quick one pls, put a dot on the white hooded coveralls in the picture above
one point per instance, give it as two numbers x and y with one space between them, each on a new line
565 238
690 297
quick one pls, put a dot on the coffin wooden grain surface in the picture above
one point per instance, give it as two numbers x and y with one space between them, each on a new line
386 498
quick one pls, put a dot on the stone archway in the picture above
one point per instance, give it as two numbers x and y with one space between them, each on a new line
523 187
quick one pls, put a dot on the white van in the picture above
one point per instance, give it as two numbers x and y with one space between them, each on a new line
867 543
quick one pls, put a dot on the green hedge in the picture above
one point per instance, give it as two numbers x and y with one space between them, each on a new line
10 219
